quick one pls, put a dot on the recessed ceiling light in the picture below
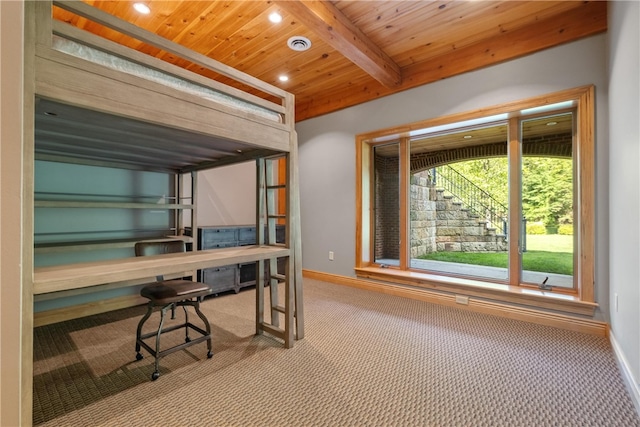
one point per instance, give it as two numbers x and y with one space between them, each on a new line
552 123
142 8
467 137
275 17
283 78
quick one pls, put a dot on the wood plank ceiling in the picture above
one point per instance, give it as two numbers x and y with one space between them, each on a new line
360 50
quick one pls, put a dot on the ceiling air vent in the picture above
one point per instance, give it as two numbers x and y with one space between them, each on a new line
299 43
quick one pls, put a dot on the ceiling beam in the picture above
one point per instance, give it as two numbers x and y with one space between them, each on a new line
587 20
332 26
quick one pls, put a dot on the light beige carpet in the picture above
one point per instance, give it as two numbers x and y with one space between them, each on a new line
368 359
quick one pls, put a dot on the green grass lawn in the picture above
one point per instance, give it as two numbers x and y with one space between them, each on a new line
545 253
550 243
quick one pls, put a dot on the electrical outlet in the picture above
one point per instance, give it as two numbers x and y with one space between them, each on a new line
330 255
615 301
462 299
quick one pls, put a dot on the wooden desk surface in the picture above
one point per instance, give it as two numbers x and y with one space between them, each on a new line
81 275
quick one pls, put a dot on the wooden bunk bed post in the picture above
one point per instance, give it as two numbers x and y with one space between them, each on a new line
194 210
32 33
43 11
290 283
260 200
194 215
294 237
178 217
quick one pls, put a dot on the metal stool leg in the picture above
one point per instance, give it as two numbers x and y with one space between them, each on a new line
139 332
186 324
156 373
196 306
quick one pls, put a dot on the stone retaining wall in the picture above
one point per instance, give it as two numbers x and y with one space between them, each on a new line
438 223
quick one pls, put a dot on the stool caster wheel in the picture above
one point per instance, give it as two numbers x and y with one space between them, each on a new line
209 354
155 376
138 356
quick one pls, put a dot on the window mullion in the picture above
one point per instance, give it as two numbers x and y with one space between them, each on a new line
405 173
515 208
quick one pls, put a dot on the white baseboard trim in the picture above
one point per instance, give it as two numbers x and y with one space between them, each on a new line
627 375
496 308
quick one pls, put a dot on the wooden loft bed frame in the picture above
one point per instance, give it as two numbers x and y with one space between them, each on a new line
69 88
69 79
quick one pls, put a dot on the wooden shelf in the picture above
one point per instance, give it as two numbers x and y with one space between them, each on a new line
108 205
81 275
59 247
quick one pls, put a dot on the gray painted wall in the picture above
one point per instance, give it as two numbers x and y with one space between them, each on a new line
327 144
226 195
624 185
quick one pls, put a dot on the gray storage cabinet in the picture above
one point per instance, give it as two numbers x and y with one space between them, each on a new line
237 276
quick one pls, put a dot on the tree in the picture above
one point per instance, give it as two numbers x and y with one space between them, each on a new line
547 185
489 174
547 189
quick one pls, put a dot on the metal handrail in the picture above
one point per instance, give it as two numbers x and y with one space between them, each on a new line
474 198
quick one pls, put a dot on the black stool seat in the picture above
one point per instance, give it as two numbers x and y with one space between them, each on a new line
169 294
174 291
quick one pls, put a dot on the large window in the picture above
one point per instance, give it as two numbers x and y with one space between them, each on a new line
481 199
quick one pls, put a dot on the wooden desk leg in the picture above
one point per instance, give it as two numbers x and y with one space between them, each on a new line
259 296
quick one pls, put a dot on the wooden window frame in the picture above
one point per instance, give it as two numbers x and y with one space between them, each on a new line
579 301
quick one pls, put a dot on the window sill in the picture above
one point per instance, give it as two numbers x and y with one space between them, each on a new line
493 291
